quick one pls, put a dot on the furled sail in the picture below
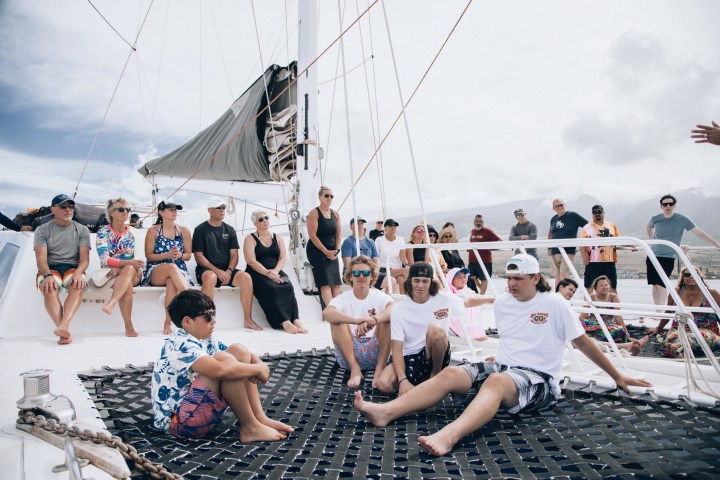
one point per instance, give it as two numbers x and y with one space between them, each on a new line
264 151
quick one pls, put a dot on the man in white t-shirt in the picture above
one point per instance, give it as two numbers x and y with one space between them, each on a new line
533 325
360 322
418 331
392 254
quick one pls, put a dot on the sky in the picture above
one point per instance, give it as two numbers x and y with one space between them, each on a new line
528 99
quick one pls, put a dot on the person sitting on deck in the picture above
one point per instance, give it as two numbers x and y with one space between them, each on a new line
601 292
62 253
115 245
215 246
691 296
360 323
418 331
457 282
566 288
197 377
167 248
534 326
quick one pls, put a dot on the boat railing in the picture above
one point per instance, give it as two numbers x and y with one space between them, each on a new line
680 313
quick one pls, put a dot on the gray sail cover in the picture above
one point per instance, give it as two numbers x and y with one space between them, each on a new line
227 149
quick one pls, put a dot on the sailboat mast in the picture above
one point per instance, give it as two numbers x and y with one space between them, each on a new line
308 174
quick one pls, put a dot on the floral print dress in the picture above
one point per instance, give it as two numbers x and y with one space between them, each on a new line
164 245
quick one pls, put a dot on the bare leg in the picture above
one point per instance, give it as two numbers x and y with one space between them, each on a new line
424 395
244 281
299 326
326 295
659 295
126 303
168 274
498 389
343 339
382 332
55 310
436 343
72 303
483 286
386 382
170 292
123 281
209 280
243 355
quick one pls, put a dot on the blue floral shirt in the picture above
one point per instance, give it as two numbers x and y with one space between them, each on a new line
172 373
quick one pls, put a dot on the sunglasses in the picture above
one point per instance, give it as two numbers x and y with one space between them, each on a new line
122 209
519 215
432 235
597 212
446 236
687 275
420 230
262 219
66 207
364 273
558 205
209 315
667 204
329 195
221 207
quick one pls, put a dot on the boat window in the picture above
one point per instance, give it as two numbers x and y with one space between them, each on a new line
7 259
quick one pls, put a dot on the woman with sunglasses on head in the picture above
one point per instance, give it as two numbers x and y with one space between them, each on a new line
691 296
115 245
323 224
167 248
265 256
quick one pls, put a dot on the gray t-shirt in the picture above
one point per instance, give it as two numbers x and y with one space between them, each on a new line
63 243
670 229
528 228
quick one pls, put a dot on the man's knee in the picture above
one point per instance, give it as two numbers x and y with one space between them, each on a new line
242 279
385 385
209 279
239 352
436 334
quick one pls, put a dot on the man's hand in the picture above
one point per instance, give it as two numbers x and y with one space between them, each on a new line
404 387
223 276
263 373
624 381
77 281
48 285
707 134
364 327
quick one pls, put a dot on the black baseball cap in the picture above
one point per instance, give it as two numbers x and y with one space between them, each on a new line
163 205
421 269
60 199
391 223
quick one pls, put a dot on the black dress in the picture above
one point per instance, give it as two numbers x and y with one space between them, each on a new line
453 259
325 271
418 253
277 300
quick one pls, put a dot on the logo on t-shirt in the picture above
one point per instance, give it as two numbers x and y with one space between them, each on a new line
441 314
559 224
539 318
371 312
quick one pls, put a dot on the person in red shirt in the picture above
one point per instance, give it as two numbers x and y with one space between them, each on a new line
481 234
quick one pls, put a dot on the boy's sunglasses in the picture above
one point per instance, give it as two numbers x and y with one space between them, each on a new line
364 273
262 219
667 204
65 207
209 315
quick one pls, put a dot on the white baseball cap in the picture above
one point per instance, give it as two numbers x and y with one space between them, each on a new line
215 202
524 264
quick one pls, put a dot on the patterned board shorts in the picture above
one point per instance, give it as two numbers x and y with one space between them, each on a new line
199 411
536 390
62 274
367 352
418 365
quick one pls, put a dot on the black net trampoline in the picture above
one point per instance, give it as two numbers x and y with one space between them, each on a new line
587 435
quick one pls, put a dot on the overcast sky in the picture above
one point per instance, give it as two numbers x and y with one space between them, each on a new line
528 99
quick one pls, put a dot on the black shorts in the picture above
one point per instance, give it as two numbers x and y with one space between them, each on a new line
418 365
597 269
653 277
199 273
476 271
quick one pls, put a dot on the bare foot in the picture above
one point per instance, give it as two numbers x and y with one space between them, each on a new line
299 326
260 433
65 341
481 338
638 345
289 327
167 328
252 325
62 332
372 411
376 377
130 332
356 378
110 306
279 426
436 443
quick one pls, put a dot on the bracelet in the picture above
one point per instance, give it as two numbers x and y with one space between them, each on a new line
401 380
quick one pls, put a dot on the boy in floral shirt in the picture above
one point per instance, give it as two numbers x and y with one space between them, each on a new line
197 377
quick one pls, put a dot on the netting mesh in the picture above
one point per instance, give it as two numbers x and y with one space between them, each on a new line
584 436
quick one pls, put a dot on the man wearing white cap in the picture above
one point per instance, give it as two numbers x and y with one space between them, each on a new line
215 246
534 326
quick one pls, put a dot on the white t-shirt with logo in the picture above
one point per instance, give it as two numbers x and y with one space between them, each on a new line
390 250
373 304
409 321
533 333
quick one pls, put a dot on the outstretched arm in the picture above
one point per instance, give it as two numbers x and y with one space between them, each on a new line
588 347
700 233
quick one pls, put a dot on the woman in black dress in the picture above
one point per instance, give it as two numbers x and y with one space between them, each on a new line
417 237
323 226
265 256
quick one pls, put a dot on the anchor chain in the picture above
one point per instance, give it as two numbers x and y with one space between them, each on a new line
127 451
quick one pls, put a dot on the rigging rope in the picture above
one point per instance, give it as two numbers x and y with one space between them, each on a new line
112 98
262 111
222 55
110 25
404 107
